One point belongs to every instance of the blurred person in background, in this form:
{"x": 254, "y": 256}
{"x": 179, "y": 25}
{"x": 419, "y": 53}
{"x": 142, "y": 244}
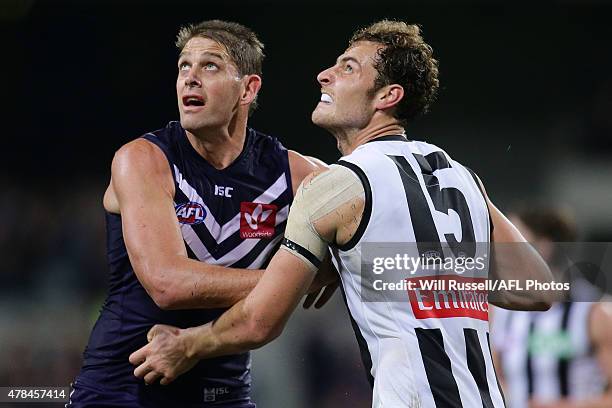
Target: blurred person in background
{"x": 193, "y": 210}
{"x": 561, "y": 358}
{"x": 386, "y": 188}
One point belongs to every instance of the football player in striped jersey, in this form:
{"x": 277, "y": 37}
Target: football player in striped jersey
{"x": 385, "y": 189}
{"x": 561, "y": 358}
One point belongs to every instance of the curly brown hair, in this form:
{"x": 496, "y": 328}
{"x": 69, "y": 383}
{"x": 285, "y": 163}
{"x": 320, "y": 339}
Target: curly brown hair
{"x": 405, "y": 60}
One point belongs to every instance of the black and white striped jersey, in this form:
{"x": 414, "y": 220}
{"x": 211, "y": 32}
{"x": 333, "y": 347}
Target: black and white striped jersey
{"x": 420, "y": 351}
{"x": 547, "y": 356}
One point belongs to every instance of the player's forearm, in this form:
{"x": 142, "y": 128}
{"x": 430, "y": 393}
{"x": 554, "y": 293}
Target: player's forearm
{"x": 519, "y": 301}
{"x": 236, "y": 331}
{"x": 188, "y": 284}
{"x": 261, "y": 316}
{"x": 516, "y": 264}
{"x": 515, "y": 260}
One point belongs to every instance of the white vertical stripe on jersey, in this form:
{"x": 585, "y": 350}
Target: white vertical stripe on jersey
{"x": 454, "y": 345}
{"x": 395, "y": 390}
{"x": 420, "y": 376}
{"x": 545, "y": 382}
{"x": 512, "y": 340}
{"x": 585, "y": 375}
{"x": 515, "y": 360}
{"x": 496, "y": 396}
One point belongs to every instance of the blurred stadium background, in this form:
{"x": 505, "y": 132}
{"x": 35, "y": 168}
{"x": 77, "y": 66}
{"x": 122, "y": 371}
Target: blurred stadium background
{"x": 526, "y": 101}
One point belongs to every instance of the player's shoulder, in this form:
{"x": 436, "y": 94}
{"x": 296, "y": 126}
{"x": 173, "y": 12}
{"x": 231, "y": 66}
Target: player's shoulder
{"x": 263, "y": 142}
{"x": 333, "y": 178}
{"x": 265, "y": 150}
{"x": 303, "y": 165}
{"x": 151, "y": 145}
{"x": 139, "y": 155}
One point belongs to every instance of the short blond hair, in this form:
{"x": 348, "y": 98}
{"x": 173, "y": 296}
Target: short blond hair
{"x": 241, "y": 43}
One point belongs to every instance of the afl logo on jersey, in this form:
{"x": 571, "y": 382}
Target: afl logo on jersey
{"x": 190, "y": 213}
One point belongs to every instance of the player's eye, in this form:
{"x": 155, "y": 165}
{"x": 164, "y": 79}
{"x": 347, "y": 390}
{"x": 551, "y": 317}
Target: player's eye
{"x": 183, "y": 66}
{"x": 210, "y": 66}
{"x": 348, "y": 68}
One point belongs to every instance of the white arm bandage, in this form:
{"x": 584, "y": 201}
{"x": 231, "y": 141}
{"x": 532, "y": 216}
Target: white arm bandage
{"x": 314, "y": 200}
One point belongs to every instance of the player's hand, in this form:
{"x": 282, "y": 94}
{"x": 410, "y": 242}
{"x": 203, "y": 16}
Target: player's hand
{"x": 165, "y": 357}
{"x": 326, "y": 294}
{"x": 325, "y": 283}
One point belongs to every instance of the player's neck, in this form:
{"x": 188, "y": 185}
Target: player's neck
{"x": 220, "y": 147}
{"x": 350, "y": 140}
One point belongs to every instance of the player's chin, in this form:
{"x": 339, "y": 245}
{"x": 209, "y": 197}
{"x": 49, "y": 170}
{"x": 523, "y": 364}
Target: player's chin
{"x": 191, "y": 123}
{"x": 320, "y": 118}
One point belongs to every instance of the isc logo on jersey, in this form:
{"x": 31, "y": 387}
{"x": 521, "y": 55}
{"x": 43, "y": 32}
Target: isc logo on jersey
{"x": 257, "y": 220}
{"x": 190, "y": 213}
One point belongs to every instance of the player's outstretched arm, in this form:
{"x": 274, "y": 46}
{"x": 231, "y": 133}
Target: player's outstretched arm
{"x": 260, "y": 317}
{"x": 249, "y": 324}
{"x": 142, "y": 191}
{"x": 515, "y": 259}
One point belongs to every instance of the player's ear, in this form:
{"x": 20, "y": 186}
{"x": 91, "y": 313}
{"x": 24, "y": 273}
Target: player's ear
{"x": 252, "y": 84}
{"x": 389, "y": 96}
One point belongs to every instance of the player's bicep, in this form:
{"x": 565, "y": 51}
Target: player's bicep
{"x": 319, "y": 211}
{"x": 301, "y": 238}
{"x": 141, "y": 183}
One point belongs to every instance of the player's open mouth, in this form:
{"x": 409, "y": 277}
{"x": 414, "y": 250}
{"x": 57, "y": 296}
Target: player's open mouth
{"x": 325, "y": 98}
{"x": 193, "y": 100}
